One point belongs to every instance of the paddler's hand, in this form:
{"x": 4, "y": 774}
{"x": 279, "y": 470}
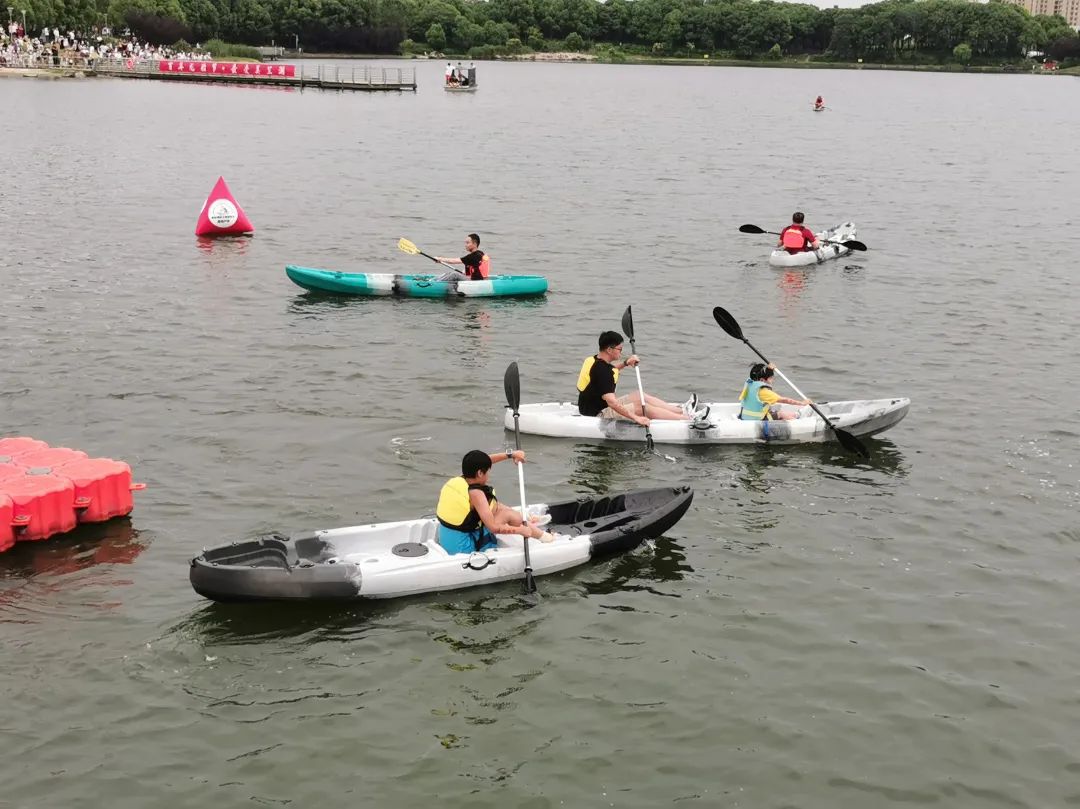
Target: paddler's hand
{"x": 518, "y": 456}
{"x": 643, "y": 421}
{"x": 632, "y": 360}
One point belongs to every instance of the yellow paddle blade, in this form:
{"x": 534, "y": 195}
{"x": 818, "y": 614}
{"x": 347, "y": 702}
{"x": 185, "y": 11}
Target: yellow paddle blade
{"x": 405, "y": 246}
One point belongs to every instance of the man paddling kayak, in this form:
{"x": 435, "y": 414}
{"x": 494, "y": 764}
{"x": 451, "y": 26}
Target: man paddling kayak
{"x": 469, "y": 514}
{"x": 819, "y": 104}
{"x": 596, "y": 391}
{"x": 477, "y": 264}
{"x": 760, "y": 401}
{"x": 796, "y": 237}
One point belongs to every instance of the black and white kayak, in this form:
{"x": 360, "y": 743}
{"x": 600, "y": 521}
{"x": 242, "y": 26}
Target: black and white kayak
{"x": 831, "y": 247}
{"x": 862, "y": 417}
{"x": 392, "y": 559}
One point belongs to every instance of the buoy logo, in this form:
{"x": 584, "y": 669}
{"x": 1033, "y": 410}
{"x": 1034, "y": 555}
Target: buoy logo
{"x": 222, "y": 213}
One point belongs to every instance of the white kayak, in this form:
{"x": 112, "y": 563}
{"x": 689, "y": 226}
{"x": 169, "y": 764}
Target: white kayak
{"x": 782, "y": 258}
{"x": 393, "y": 559}
{"x": 860, "y": 417}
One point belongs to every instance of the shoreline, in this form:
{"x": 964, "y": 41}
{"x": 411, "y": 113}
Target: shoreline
{"x": 800, "y": 64}
{"x": 83, "y": 72}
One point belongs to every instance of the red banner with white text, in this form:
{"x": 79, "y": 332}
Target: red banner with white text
{"x": 227, "y": 68}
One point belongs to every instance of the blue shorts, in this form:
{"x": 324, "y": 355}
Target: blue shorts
{"x": 453, "y": 541}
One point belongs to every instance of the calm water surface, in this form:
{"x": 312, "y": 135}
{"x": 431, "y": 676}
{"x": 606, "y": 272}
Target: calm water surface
{"x": 818, "y": 631}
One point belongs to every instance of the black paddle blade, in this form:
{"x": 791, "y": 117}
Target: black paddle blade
{"x": 726, "y": 322}
{"x": 530, "y": 582}
{"x": 628, "y": 324}
{"x": 512, "y": 386}
{"x": 751, "y": 229}
{"x": 854, "y": 244}
{"x": 851, "y": 443}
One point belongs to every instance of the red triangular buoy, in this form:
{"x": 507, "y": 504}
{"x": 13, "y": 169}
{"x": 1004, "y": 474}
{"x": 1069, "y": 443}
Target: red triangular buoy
{"x": 221, "y": 214}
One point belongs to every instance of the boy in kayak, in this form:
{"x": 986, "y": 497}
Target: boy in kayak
{"x": 760, "y": 401}
{"x": 819, "y": 104}
{"x": 596, "y": 391}
{"x": 796, "y": 237}
{"x": 469, "y": 514}
{"x": 477, "y": 264}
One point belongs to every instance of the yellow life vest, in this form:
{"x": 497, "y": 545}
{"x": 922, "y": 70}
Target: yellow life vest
{"x": 455, "y": 510}
{"x": 583, "y": 375}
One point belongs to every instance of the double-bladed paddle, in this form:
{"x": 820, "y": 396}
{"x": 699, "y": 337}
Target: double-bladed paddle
{"x": 512, "y": 386}
{"x": 850, "y": 244}
{"x": 628, "y": 327}
{"x": 405, "y": 246}
{"x": 731, "y": 326}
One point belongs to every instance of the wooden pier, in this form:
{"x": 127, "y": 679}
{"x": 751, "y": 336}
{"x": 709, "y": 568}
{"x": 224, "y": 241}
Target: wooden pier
{"x": 323, "y": 77}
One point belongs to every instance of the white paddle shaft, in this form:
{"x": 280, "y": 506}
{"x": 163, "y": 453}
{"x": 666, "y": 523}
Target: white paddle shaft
{"x": 641, "y": 391}
{"x": 791, "y": 384}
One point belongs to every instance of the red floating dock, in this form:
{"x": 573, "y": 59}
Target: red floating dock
{"x": 7, "y": 515}
{"x": 103, "y": 488}
{"x": 13, "y": 446}
{"x": 49, "y": 490}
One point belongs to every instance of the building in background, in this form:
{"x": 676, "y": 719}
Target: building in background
{"x": 1069, "y": 9}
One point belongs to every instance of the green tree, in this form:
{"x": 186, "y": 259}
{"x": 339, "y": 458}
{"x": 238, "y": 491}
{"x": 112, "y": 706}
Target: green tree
{"x": 574, "y": 42}
{"x": 1032, "y": 36}
{"x": 962, "y": 53}
{"x": 435, "y": 36}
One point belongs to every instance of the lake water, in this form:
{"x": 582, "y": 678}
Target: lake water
{"x": 818, "y": 631}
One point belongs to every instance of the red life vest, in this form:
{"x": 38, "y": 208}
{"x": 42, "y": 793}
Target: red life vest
{"x": 483, "y": 271}
{"x": 793, "y": 238}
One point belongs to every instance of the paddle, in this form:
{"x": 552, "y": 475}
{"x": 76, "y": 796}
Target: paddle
{"x": 731, "y": 326}
{"x": 512, "y": 386}
{"x": 850, "y": 244}
{"x": 405, "y": 246}
{"x": 628, "y": 327}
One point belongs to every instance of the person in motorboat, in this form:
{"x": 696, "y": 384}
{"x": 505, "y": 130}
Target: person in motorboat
{"x": 477, "y": 264}
{"x": 796, "y": 237}
{"x": 760, "y": 401}
{"x": 819, "y": 103}
{"x": 596, "y": 391}
{"x": 468, "y": 512}
{"x": 449, "y": 73}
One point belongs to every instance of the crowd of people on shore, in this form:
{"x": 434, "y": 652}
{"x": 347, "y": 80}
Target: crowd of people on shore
{"x": 55, "y": 48}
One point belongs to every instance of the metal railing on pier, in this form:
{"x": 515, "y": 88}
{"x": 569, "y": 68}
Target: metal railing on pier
{"x": 328, "y": 77}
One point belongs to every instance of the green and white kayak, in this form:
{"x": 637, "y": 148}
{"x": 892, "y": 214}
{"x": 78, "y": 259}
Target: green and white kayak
{"x": 413, "y": 286}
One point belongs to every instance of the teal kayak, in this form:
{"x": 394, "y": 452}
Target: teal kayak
{"x": 415, "y": 286}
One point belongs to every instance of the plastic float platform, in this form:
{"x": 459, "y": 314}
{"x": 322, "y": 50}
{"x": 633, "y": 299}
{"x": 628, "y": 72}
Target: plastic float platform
{"x": 46, "y": 490}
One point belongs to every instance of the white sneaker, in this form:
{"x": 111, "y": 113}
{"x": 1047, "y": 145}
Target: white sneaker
{"x": 690, "y": 406}
{"x": 701, "y": 420}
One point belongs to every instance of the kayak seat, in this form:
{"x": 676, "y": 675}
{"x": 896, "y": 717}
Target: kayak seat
{"x": 586, "y": 509}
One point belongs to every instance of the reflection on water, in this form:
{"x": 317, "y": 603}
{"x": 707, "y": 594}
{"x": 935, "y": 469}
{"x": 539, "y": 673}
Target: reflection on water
{"x": 792, "y": 284}
{"x": 255, "y": 622}
{"x": 35, "y": 573}
{"x": 594, "y": 468}
{"x": 110, "y": 543}
{"x": 661, "y": 560}
{"x": 219, "y": 249}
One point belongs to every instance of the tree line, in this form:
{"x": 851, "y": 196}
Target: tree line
{"x": 895, "y": 30}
